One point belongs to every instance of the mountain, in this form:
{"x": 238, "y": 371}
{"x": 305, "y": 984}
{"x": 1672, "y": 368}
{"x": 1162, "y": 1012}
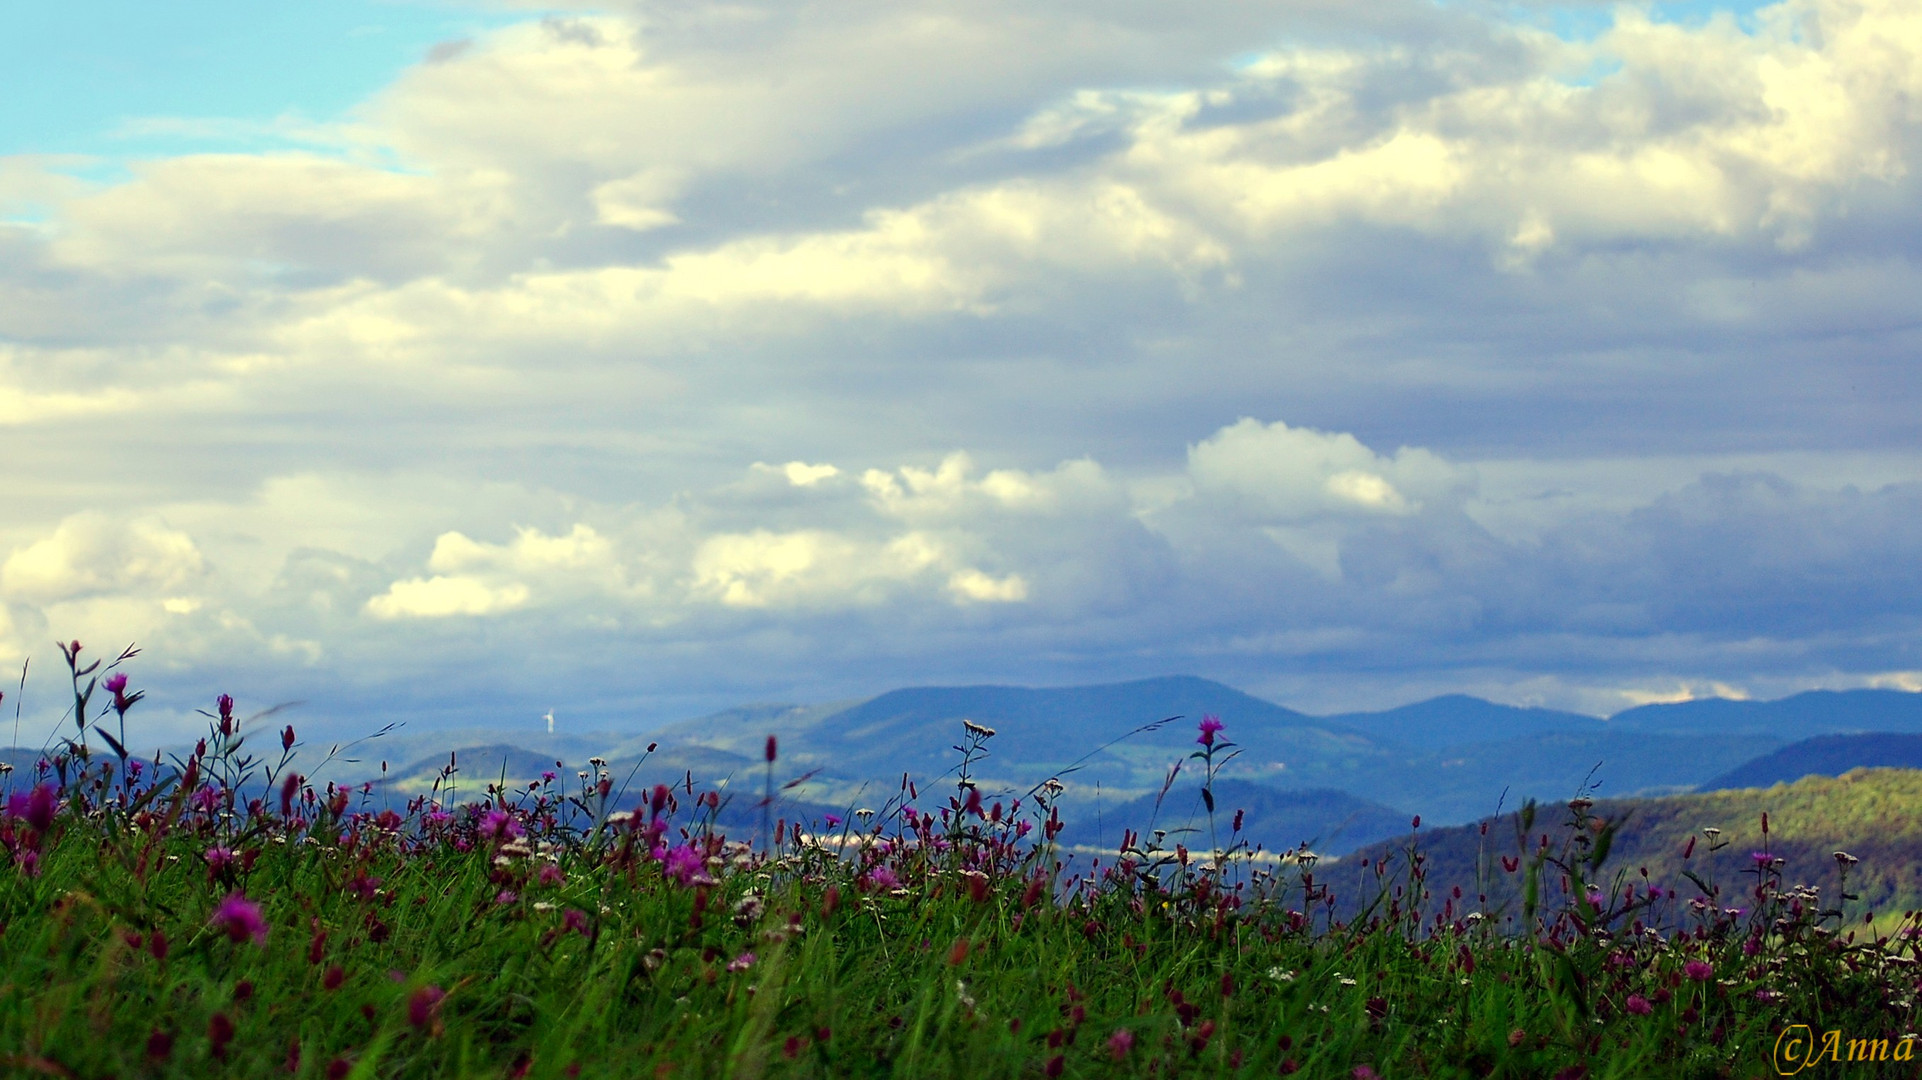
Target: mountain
{"x": 1042, "y": 732}
{"x": 1868, "y": 813}
{"x": 1817, "y": 712}
{"x": 1454, "y": 719}
{"x": 1328, "y": 821}
{"x": 1465, "y": 782}
{"x": 1824, "y": 755}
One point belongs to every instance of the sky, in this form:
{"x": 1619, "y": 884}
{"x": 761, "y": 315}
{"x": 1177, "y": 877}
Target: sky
{"x": 454, "y": 362}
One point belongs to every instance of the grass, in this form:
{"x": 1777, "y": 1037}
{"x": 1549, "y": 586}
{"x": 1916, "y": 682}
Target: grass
{"x": 217, "y": 915}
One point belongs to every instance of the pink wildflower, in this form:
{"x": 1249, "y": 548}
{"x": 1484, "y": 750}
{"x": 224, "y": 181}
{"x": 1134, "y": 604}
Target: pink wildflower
{"x": 576, "y": 920}
{"x": 683, "y": 864}
{"x": 741, "y": 962}
{"x": 1120, "y": 1043}
{"x": 500, "y": 826}
{"x": 1698, "y": 970}
{"x": 1638, "y": 1005}
{"x": 34, "y": 807}
{"x": 424, "y": 1005}
{"x": 1210, "y": 724}
{"x": 883, "y": 878}
{"x": 241, "y": 919}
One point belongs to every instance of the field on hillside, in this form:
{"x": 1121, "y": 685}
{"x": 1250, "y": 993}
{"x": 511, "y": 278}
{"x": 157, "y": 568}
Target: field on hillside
{"x": 1867, "y": 815}
{"x": 160, "y": 921}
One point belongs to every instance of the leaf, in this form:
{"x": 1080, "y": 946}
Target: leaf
{"x": 1208, "y": 798}
{"x": 112, "y": 742}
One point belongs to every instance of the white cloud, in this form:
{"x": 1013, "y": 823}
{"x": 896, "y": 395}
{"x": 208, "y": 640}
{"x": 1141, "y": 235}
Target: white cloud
{"x": 444, "y": 595}
{"x": 1275, "y": 473}
{"x": 91, "y": 553}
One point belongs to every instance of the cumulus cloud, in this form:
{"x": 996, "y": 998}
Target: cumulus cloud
{"x": 1275, "y": 473}
{"x": 91, "y": 553}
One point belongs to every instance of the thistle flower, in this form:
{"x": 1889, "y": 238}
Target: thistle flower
{"x": 500, "y": 826}
{"x": 1120, "y": 1043}
{"x": 1210, "y": 724}
{"x": 34, "y": 807}
{"x": 1698, "y": 970}
{"x": 1638, "y": 1005}
{"x": 241, "y": 919}
{"x": 741, "y": 962}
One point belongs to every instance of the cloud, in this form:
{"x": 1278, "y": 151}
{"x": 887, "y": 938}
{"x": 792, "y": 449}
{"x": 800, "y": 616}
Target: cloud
{"x": 91, "y": 553}
{"x": 755, "y": 348}
{"x": 1275, "y": 473}
{"x": 444, "y": 595}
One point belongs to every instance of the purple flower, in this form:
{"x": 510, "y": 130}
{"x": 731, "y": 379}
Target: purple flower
{"x": 1698, "y": 970}
{"x": 1762, "y": 858}
{"x": 506, "y": 896}
{"x": 741, "y": 962}
{"x": 218, "y": 858}
{"x": 883, "y": 878}
{"x": 1210, "y": 724}
{"x": 683, "y": 864}
{"x": 833, "y": 820}
{"x": 576, "y": 920}
{"x": 1120, "y": 1043}
{"x": 116, "y": 683}
{"x": 1638, "y": 1005}
{"x": 240, "y": 918}
{"x": 499, "y": 826}
{"x": 424, "y": 1004}
{"x": 34, "y": 807}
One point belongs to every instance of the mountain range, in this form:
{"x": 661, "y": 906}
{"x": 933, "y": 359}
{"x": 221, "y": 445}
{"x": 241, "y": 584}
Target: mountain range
{"x": 1339, "y": 780}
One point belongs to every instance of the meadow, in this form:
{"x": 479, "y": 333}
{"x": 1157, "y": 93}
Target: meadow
{"x": 216, "y": 914}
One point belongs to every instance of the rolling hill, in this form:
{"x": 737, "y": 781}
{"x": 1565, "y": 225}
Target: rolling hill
{"x": 1824, "y": 755}
{"x": 1869, "y": 813}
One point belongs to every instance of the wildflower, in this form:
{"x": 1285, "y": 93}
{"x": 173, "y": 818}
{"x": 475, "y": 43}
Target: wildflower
{"x": 1209, "y": 725}
{"x": 1120, "y": 1043}
{"x": 1638, "y": 1005}
{"x": 116, "y": 685}
{"x": 576, "y": 920}
{"x": 741, "y": 962}
{"x": 683, "y": 864}
{"x": 833, "y": 821}
{"x": 1698, "y": 970}
{"x": 500, "y": 826}
{"x": 1843, "y": 858}
{"x": 981, "y": 731}
{"x": 1761, "y": 858}
{"x": 34, "y": 807}
{"x": 219, "y": 859}
{"x": 1364, "y": 1072}
{"x": 552, "y": 875}
{"x": 424, "y": 1004}
{"x": 240, "y": 918}
{"x": 506, "y": 896}
{"x": 220, "y": 1032}
{"x": 160, "y": 1045}
{"x": 883, "y": 878}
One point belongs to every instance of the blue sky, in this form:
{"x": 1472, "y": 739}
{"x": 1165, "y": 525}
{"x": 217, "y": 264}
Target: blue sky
{"x": 640, "y": 359}
{"x": 91, "y": 78}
